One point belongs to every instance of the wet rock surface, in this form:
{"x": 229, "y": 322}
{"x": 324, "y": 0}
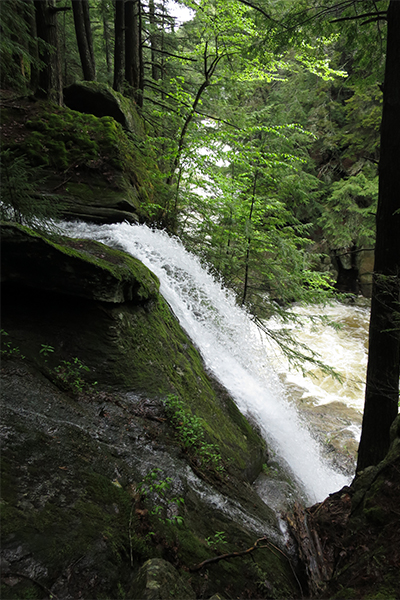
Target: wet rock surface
{"x": 95, "y": 480}
{"x": 73, "y": 518}
{"x": 158, "y": 580}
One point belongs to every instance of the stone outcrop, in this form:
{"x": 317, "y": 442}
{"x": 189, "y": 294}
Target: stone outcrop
{"x": 86, "y": 269}
{"x": 159, "y": 580}
{"x": 101, "y": 101}
{"x": 76, "y": 451}
{"x": 93, "y": 168}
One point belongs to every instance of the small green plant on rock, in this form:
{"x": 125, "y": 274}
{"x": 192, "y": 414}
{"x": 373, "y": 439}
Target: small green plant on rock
{"x": 8, "y": 350}
{"x": 191, "y": 434}
{"x": 154, "y": 484}
{"x": 46, "y": 350}
{"x": 217, "y": 540}
{"x": 70, "y": 374}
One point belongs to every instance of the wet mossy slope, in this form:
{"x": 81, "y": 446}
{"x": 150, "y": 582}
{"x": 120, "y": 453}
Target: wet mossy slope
{"x": 76, "y": 451}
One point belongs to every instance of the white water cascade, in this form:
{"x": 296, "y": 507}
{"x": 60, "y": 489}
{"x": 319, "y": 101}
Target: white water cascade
{"x": 232, "y": 347}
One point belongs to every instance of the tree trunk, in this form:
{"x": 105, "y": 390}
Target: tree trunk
{"x": 247, "y": 260}
{"x": 88, "y": 30}
{"x": 107, "y": 48}
{"x": 50, "y": 80}
{"x": 382, "y": 391}
{"x": 85, "y": 51}
{"x": 119, "y": 45}
{"x": 33, "y": 47}
{"x": 133, "y": 49}
{"x": 154, "y": 42}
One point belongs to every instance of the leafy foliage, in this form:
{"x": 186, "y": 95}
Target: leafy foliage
{"x": 17, "y": 45}
{"x": 191, "y": 434}
{"x": 157, "y": 488}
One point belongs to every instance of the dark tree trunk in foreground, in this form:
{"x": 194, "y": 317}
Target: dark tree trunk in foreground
{"x": 50, "y": 81}
{"x": 119, "y": 45}
{"x": 84, "y": 38}
{"x": 382, "y": 391}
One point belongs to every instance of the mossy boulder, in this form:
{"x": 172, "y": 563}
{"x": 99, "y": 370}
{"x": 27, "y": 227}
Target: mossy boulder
{"x": 101, "y": 101}
{"x": 90, "y": 167}
{"x": 82, "y": 268}
{"x": 159, "y": 580}
{"x": 103, "y": 306}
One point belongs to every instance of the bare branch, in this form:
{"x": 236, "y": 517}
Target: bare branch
{"x": 381, "y": 15}
{"x": 170, "y": 54}
{"x": 262, "y": 11}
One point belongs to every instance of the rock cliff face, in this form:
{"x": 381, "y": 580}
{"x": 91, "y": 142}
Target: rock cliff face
{"x": 96, "y": 168}
{"x": 96, "y": 475}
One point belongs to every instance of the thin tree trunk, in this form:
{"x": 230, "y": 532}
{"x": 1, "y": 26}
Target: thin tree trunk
{"x": 85, "y": 52}
{"x": 33, "y": 48}
{"x": 246, "y": 272}
{"x": 382, "y": 391}
{"x": 155, "y": 69}
{"x": 133, "y": 49}
{"x": 50, "y": 80}
{"x": 119, "y": 63}
{"x": 88, "y": 30}
{"x": 107, "y": 47}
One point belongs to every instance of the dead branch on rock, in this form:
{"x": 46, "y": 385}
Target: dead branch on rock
{"x": 256, "y": 546}
{"x": 230, "y": 555}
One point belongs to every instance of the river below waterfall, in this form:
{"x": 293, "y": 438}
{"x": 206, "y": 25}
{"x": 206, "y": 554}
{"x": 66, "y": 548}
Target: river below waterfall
{"x": 238, "y": 355}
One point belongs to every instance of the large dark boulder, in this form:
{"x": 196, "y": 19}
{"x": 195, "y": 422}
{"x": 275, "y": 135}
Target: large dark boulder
{"x": 82, "y": 268}
{"x": 101, "y": 101}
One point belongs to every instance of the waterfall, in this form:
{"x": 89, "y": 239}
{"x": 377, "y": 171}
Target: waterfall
{"x": 232, "y": 347}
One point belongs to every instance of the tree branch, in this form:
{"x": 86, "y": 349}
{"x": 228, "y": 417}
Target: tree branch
{"x": 170, "y": 53}
{"x": 262, "y": 11}
{"x": 377, "y": 16}
{"x": 231, "y": 555}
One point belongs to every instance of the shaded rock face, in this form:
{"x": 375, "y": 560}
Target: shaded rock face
{"x": 77, "y": 268}
{"x": 365, "y": 263}
{"x": 101, "y": 101}
{"x": 76, "y": 520}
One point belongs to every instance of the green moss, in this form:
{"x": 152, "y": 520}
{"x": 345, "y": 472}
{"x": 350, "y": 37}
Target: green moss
{"x": 375, "y": 515}
{"x": 58, "y": 535}
{"x": 118, "y": 265}
{"x": 382, "y": 593}
{"x": 154, "y": 355}
{"x": 345, "y": 594}
{"x": 24, "y": 590}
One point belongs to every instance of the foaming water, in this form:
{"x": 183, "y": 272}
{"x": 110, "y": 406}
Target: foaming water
{"x": 231, "y": 345}
{"x": 345, "y": 349}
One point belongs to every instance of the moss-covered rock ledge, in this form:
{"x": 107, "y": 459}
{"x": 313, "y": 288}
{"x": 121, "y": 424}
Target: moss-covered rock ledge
{"x": 76, "y": 520}
{"x": 86, "y": 269}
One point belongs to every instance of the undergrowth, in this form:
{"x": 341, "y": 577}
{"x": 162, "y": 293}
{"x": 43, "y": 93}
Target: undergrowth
{"x": 191, "y": 434}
